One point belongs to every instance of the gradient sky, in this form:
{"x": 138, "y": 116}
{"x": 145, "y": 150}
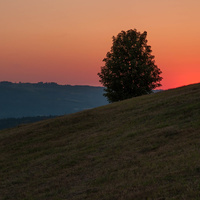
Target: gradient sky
{"x": 65, "y": 41}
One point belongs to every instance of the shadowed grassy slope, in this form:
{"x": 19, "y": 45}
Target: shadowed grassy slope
{"x": 142, "y": 148}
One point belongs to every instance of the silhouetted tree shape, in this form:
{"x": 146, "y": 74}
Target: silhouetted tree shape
{"x": 130, "y": 68}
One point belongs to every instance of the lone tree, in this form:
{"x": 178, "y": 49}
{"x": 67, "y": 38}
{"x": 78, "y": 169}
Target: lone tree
{"x": 130, "y": 68}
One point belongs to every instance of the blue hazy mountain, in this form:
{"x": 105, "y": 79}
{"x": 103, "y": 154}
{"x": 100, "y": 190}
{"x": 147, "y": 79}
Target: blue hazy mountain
{"x": 44, "y": 99}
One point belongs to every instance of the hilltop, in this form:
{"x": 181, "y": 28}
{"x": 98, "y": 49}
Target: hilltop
{"x": 146, "y": 147}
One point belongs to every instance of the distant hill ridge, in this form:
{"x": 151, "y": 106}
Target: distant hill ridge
{"x": 44, "y": 99}
{"x": 144, "y": 148}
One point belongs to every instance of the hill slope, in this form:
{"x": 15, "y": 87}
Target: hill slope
{"x": 142, "y": 148}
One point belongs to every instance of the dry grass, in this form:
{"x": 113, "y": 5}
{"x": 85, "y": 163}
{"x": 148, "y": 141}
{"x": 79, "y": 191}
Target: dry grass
{"x": 142, "y": 148}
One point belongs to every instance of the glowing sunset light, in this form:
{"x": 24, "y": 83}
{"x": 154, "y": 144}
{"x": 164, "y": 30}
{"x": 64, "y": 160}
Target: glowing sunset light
{"x": 65, "y": 41}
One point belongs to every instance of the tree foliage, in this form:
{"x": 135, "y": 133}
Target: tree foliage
{"x": 129, "y": 69}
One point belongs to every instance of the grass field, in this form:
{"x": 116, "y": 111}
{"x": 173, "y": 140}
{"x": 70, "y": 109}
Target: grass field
{"x": 142, "y": 148}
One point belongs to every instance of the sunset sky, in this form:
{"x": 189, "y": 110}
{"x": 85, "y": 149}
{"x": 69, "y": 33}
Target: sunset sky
{"x": 65, "y": 41}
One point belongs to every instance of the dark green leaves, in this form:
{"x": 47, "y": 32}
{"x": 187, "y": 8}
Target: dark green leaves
{"x": 129, "y": 69}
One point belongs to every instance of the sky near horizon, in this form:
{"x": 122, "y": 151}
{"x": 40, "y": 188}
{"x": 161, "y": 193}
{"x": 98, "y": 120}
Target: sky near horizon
{"x": 65, "y": 41}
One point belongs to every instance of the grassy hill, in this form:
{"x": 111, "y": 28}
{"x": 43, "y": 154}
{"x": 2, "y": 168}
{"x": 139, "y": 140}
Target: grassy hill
{"x": 142, "y": 148}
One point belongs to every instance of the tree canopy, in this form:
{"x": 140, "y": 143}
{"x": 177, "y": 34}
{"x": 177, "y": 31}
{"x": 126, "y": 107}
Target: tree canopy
{"x": 129, "y": 69}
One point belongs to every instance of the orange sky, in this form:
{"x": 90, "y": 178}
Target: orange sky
{"x": 64, "y": 41}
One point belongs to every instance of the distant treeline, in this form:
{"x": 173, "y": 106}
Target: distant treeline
{"x": 13, "y": 122}
{"x": 43, "y": 99}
